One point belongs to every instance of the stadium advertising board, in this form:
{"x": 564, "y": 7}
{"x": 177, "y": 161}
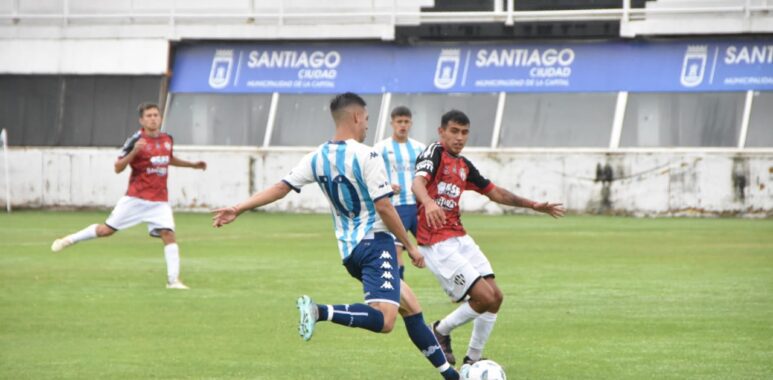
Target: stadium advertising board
{"x": 635, "y": 66}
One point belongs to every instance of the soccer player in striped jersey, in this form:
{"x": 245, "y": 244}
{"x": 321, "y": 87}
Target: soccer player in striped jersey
{"x": 353, "y": 178}
{"x": 399, "y": 153}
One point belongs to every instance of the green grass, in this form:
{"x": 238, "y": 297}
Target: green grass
{"x": 585, "y": 298}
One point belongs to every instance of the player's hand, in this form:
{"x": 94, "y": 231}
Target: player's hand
{"x": 436, "y": 217}
{"x": 416, "y": 257}
{"x": 139, "y": 145}
{"x": 200, "y": 165}
{"x": 396, "y": 188}
{"x": 555, "y": 210}
{"x": 224, "y": 216}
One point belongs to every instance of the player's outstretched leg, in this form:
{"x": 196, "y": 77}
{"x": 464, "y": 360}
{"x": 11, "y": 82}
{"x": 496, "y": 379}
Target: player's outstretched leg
{"x": 91, "y": 232}
{"x": 355, "y": 315}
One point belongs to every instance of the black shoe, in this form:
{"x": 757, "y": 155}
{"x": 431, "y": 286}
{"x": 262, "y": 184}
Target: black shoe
{"x": 469, "y": 361}
{"x": 445, "y": 344}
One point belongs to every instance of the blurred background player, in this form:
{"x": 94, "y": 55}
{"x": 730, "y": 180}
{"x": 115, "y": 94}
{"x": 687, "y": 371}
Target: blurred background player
{"x": 442, "y": 175}
{"x": 149, "y": 152}
{"x": 399, "y": 153}
{"x": 354, "y": 180}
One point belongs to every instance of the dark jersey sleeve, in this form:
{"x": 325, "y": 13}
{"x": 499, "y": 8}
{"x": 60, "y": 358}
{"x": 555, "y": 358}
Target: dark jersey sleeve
{"x": 129, "y": 144}
{"x": 428, "y": 162}
{"x": 475, "y": 181}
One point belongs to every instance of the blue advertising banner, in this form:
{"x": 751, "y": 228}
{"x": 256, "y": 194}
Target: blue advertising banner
{"x": 634, "y": 66}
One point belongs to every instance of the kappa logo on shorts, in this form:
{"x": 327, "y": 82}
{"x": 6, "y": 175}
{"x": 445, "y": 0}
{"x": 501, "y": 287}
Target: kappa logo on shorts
{"x": 385, "y": 255}
{"x": 387, "y": 275}
{"x": 459, "y": 279}
{"x": 387, "y": 285}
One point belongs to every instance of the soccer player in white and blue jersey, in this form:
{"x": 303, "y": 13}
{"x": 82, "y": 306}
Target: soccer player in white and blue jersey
{"x": 399, "y": 153}
{"x": 353, "y": 178}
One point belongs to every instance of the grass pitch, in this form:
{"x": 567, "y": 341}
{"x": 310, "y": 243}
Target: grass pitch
{"x": 585, "y": 298}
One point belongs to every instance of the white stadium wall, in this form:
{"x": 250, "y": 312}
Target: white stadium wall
{"x": 643, "y": 183}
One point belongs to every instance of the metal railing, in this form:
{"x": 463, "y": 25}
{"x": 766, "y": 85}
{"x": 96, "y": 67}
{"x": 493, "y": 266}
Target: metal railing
{"x": 281, "y": 15}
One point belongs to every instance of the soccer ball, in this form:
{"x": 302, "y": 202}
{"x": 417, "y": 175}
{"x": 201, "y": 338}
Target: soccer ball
{"x": 483, "y": 370}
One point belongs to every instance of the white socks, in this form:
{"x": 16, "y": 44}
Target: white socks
{"x": 463, "y": 314}
{"x": 172, "y": 255}
{"x": 481, "y": 329}
{"x": 87, "y": 233}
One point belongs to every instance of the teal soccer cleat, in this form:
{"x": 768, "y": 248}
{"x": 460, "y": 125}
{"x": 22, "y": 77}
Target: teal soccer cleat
{"x": 309, "y": 315}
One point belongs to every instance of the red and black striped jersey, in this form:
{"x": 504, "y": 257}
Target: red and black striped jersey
{"x": 447, "y": 177}
{"x": 150, "y": 166}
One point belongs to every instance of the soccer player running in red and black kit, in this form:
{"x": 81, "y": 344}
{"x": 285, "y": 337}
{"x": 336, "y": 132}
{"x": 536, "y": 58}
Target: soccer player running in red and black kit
{"x": 149, "y": 153}
{"x": 442, "y": 174}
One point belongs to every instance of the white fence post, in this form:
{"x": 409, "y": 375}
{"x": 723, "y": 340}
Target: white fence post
{"x": 4, "y": 140}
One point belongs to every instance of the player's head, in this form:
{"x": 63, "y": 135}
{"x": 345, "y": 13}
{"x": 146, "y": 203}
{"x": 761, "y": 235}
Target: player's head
{"x": 150, "y": 116}
{"x": 401, "y": 123}
{"x": 454, "y": 130}
{"x": 348, "y": 111}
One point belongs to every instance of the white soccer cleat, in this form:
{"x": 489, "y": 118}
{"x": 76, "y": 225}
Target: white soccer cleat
{"x": 177, "y": 285}
{"x": 308, "y": 317}
{"x": 60, "y": 244}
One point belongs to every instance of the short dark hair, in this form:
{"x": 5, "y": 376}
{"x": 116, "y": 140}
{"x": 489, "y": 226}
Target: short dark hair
{"x": 456, "y": 116}
{"x": 341, "y": 101}
{"x": 146, "y": 106}
{"x": 401, "y": 111}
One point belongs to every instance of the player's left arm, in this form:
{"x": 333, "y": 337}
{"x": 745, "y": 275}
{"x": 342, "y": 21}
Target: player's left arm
{"x": 174, "y": 161}
{"x": 481, "y": 184}
{"x": 505, "y": 197}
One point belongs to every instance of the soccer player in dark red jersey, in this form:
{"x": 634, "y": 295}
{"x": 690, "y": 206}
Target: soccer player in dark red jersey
{"x": 149, "y": 153}
{"x": 464, "y": 272}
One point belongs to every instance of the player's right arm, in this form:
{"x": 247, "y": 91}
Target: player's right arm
{"x": 299, "y": 176}
{"x": 272, "y": 194}
{"x": 426, "y": 167}
{"x": 130, "y": 149}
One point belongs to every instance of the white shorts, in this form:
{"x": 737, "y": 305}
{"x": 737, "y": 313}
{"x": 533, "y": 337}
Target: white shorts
{"x": 130, "y": 211}
{"x": 457, "y": 263}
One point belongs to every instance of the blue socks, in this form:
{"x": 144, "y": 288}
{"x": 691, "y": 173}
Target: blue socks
{"x": 425, "y": 341}
{"x": 354, "y": 315}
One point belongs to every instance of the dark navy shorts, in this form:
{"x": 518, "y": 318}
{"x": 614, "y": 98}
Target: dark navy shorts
{"x": 374, "y": 263}
{"x": 409, "y": 216}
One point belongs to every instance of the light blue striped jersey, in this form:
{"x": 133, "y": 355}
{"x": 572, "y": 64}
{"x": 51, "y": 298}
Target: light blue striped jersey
{"x": 400, "y": 161}
{"x": 352, "y": 177}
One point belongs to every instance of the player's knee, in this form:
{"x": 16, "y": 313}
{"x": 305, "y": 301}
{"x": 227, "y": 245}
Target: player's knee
{"x": 389, "y": 325}
{"x": 489, "y": 300}
{"x": 104, "y": 231}
{"x": 498, "y": 297}
{"x": 167, "y": 236}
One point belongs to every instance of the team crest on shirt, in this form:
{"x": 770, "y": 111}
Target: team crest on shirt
{"x": 462, "y": 174}
{"x": 167, "y": 145}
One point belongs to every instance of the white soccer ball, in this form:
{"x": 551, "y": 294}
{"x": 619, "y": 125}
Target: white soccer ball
{"x": 484, "y": 370}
